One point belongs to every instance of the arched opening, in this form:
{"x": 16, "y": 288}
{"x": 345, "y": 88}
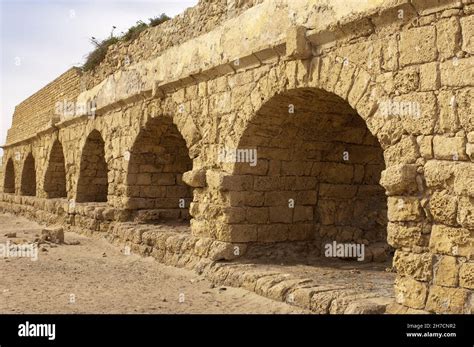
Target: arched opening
{"x": 28, "y": 177}
{"x": 158, "y": 159}
{"x": 55, "y": 176}
{"x": 92, "y": 185}
{"x": 317, "y": 174}
{"x": 9, "y": 180}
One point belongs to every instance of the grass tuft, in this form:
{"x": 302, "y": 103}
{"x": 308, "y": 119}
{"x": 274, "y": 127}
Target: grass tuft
{"x": 153, "y": 22}
{"x": 133, "y": 32}
{"x": 95, "y": 57}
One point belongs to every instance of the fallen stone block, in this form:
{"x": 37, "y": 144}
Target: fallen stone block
{"x": 53, "y": 234}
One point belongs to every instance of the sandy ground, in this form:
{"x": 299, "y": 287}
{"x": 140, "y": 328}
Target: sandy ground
{"x": 96, "y": 277}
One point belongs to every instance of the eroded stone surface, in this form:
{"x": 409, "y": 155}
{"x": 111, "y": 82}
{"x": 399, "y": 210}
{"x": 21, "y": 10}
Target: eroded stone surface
{"x": 321, "y": 109}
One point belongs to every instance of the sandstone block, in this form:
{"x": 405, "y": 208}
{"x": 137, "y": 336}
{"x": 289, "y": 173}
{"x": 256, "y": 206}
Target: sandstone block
{"x": 340, "y": 191}
{"x": 297, "y": 45}
{"x": 258, "y": 215}
{"x": 334, "y": 172}
{"x": 448, "y": 115}
{"x": 410, "y": 292}
{"x": 439, "y": 173}
{"x": 449, "y": 148}
{"x": 252, "y": 199}
{"x": 303, "y": 214}
{"x": 53, "y": 234}
{"x": 418, "y": 45}
{"x": 470, "y": 151}
{"x": 301, "y": 231}
{"x": 236, "y": 183}
{"x": 443, "y": 207}
{"x": 401, "y": 209}
{"x": 226, "y": 251}
{"x": 279, "y": 198}
{"x": 263, "y": 183}
{"x": 195, "y": 178}
{"x": 467, "y": 28}
{"x": 465, "y": 106}
{"x": 236, "y": 233}
{"x": 451, "y": 241}
{"x": 417, "y": 266}
{"x": 429, "y": 77}
{"x": 428, "y": 7}
{"x": 464, "y": 179}
{"x": 453, "y": 72}
{"x": 399, "y": 235}
{"x": 466, "y": 275}
{"x": 425, "y": 144}
{"x": 448, "y": 300}
{"x": 214, "y": 178}
{"x": 399, "y": 179}
{"x": 446, "y": 272}
{"x": 448, "y": 37}
{"x": 465, "y": 215}
{"x": 406, "y": 80}
{"x": 272, "y": 233}
{"x": 418, "y": 112}
{"x": 281, "y": 214}
{"x": 234, "y": 215}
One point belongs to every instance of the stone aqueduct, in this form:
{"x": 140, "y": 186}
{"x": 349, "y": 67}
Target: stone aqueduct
{"x": 361, "y": 115}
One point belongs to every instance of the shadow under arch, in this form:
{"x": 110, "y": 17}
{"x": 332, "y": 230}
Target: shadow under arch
{"x": 92, "y": 184}
{"x": 28, "y": 177}
{"x": 9, "y": 177}
{"x": 158, "y": 159}
{"x": 316, "y": 178}
{"x": 55, "y": 175}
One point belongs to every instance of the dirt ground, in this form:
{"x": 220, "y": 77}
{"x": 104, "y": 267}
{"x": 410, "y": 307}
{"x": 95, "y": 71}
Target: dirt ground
{"x": 94, "y": 276}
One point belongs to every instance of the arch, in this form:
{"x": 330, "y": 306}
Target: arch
{"x": 9, "y": 178}
{"x": 28, "y": 176}
{"x": 55, "y": 176}
{"x": 316, "y": 177}
{"x": 158, "y": 159}
{"x": 92, "y": 184}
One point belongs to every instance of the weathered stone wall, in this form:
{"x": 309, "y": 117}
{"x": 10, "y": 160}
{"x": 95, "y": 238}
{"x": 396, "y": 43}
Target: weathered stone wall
{"x": 332, "y": 108}
{"x": 55, "y": 176}
{"x": 92, "y": 185}
{"x": 158, "y": 159}
{"x": 38, "y": 111}
{"x": 316, "y": 175}
{"x": 2, "y": 169}
{"x": 195, "y": 21}
{"x": 28, "y": 176}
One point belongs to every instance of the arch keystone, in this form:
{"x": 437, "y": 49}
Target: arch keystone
{"x": 297, "y": 46}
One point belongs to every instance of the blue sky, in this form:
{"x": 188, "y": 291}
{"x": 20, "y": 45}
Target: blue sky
{"x": 41, "y": 39}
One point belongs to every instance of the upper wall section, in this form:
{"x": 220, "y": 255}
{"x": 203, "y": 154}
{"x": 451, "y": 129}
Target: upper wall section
{"x": 35, "y": 113}
{"x": 193, "y": 22}
{"x": 203, "y": 42}
{"x": 258, "y": 34}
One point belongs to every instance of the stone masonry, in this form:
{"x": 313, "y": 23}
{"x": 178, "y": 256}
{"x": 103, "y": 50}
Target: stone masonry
{"x": 269, "y": 122}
